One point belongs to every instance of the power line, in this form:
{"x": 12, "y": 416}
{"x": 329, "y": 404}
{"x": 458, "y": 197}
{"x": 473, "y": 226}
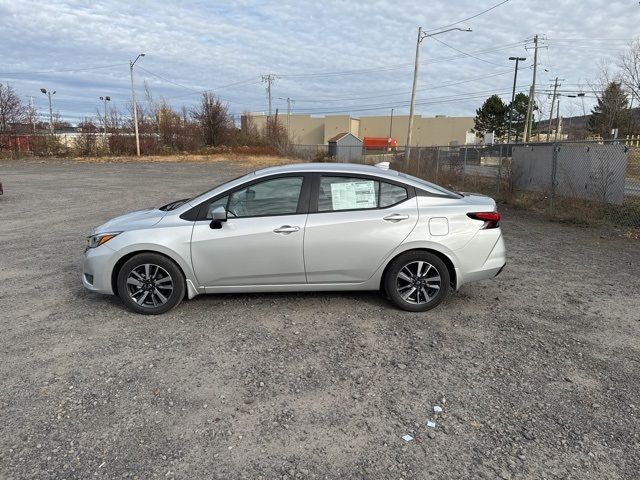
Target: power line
{"x": 468, "y": 18}
{"x": 170, "y": 81}
{"x": 65, "y": 70}
{"x": 403, "y": 92}
{"x": 380, "y": 106}
{"x": 467, "y": 54}
{"x": 390, "y": 68}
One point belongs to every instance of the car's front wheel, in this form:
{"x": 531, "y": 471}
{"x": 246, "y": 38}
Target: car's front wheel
{"x": 417, "y": 281}
{"x": 150, "y": 283}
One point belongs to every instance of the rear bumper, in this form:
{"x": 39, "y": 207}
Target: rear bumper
{"x": 490, "y": 268}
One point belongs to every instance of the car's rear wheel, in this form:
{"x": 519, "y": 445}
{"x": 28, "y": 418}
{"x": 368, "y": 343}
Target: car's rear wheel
{"x": 417, "y": 281}
{"x": 150, "y": 283}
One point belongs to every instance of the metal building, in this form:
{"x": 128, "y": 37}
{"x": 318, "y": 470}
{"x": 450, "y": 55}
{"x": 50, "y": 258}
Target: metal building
{"x": 345, "y": 147}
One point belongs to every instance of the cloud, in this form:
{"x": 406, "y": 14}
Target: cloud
{"x": 204, "y": 45}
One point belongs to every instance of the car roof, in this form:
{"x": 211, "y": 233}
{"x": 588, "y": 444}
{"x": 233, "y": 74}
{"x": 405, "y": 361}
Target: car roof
{"x": 355, "y": 168}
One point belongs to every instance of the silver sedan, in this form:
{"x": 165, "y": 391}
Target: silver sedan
{"x": 306, "y": 227}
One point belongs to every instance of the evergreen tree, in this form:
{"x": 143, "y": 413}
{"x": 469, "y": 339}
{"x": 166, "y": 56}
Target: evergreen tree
{"x": 492, "y": 117}
{"x": 611, "y": 111}
{"x": 519, "y": 116}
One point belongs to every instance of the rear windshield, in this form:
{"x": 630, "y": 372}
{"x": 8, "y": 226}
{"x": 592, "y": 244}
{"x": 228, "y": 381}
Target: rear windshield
{"x": 431, "y": 186}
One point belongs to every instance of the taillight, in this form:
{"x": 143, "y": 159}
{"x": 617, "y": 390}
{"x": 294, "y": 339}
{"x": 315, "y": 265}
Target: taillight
{"x": 490, "y": 219}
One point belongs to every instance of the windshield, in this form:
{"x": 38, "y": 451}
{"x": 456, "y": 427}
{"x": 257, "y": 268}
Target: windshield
{"x": 431, "y": 186}
{"x": 178, "y": 203}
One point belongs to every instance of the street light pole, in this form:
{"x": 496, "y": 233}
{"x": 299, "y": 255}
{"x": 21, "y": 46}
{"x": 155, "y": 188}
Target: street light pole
{"x": 513, "y": 97}
{"x": 105, "y": 99}
{"x": 49, "y": 94}
{"x": 581, "y": 95}
{"x": 135, "y": 108}
{"x": 421, "y": 36}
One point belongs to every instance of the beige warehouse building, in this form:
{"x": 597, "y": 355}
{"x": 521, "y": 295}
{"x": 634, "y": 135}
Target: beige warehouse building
{"x": 316, "y": 130}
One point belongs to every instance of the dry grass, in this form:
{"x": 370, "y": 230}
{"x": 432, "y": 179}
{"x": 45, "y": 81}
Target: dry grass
{"x": 252, "y": 161}
{"x": 633, "y": 164}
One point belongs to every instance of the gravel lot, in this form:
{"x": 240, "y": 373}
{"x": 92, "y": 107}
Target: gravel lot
{"x": 537, "y": 372}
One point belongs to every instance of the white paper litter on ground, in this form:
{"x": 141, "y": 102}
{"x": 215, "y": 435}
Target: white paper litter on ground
{"x": 437, "y": 409}
{"x": 407, "y": 438}
{"x": 431, "y": 424}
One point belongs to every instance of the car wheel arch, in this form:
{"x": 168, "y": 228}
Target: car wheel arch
{"x": 122, "y": 260}
{"x": 444, "y": 257}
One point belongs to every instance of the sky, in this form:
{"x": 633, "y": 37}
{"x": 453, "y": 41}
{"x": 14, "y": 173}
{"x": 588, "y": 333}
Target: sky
{"x": 329, "y": 57}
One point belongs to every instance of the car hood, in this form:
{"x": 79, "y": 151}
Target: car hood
{"x": 132, "y": 221}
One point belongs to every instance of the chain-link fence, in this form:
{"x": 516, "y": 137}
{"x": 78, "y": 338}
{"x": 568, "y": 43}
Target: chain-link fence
{"x": 588, "y": 182}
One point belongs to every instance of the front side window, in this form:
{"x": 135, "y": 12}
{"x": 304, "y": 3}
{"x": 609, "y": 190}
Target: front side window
{"x": 347, "y": 193}
{"x": 278, "y": 196}
{"x": 221, "y": 202}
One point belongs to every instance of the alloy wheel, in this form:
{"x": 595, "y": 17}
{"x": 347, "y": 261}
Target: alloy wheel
{"x": 418, "y": 282}
{"x": 149, "y": 285}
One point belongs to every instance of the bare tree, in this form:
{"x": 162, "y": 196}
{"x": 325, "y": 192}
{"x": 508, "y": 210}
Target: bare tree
{"x": 629, "y": 64}
{"x": 11, "y": 108}
{"x": 87, "y": 142}
{"x": 214, "y": 120}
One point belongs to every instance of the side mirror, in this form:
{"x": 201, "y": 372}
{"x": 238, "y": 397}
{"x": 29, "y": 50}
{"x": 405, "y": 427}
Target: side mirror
{"x": 217, "y": 216}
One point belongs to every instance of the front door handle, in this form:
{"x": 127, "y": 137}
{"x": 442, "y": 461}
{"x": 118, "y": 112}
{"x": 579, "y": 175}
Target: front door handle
{"x": 395, "y": 217}
{"x": 286, "y": 229}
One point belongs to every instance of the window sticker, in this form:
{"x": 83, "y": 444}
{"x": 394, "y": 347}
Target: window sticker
{"x": 352, "y": 195}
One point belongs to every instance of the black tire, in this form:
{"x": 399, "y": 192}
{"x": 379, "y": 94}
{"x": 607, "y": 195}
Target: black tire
{"x": 417, "y": 283}
{"x": 165, "y": 281}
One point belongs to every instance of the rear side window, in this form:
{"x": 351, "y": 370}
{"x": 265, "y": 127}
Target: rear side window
{"x": 347, "y": 193}
{"x": 353, "y": 193}
{"x": 391, "y": 194}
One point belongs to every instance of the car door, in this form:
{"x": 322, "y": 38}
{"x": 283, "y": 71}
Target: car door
{"x": 355, "y": 222}
{"x": 261, "y": 242}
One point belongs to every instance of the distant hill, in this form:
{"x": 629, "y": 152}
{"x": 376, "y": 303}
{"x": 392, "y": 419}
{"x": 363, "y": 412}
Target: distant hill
{"x": 577, "y": 126}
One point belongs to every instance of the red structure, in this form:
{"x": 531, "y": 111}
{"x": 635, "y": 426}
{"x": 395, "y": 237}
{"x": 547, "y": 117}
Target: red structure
{"x": 380, "y": 143}
{"x": 17, "y": 143}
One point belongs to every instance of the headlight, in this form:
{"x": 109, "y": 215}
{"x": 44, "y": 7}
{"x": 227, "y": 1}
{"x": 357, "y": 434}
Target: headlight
{"x": 96, "y": 240}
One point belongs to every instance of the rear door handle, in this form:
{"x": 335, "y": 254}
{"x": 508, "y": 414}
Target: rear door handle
{"x": 395, "y": 217}
{"x": 286, "y": 229}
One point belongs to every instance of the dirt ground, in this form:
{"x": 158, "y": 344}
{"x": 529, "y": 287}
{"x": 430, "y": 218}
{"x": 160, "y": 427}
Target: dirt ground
{"x": 537, "y": 371}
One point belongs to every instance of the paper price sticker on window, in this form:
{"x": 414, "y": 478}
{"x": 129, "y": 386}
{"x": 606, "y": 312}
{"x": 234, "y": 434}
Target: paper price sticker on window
{"x": 353, "y": 195}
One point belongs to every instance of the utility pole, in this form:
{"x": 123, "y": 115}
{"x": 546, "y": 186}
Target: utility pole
{"x": 32, "y": 113}
{"x": 513, "y": 98}
{"x": 105, "y": 99}
{"x": 581, "y": 95}
{"x": 421, "y": 36}
{"x": 553, "y": 101}
{"x": 268, "y": 79}
{"x": 555, "y": 137}
{"x": 391, "y": 124}
{"x": 528, "y": 127}
{"x": 135, "y": 107}
{"x": 49, "y": 94}
{"x": 290, "y": 102}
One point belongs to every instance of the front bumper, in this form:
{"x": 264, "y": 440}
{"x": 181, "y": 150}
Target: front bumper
{"x": 97, "y": 265}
